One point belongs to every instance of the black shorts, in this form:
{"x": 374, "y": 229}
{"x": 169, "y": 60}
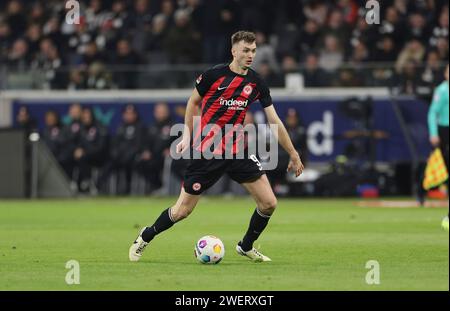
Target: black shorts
{"x": 202, "y": 174}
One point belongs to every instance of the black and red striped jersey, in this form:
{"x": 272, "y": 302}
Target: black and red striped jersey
{"x": 226, "y": 97}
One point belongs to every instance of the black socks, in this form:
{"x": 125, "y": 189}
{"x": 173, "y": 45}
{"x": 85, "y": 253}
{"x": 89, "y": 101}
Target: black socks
{"x": 258, "y": 223}
{"x": 161, "y": 224}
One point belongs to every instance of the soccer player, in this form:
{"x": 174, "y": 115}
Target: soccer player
{"x": 223, "y": 94}
{"x": 438, "y": 122}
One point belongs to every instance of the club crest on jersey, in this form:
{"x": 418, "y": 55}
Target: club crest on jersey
{"x": 197, "y": 186}
{"x": 248, "y": 89}
{"x": 199, "y": 79}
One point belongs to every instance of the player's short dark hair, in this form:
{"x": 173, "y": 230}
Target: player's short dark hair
{"x": 246, "y": 36}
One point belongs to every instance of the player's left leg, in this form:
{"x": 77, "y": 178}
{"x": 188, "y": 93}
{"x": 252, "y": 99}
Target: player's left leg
{"x": 266, "y": 202}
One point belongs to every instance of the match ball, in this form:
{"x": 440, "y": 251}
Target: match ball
{"x": 209, "y": 250}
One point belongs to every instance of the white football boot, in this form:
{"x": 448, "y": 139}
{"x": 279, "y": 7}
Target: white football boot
{"x": 137, "y": 248}
{"x": 253, "y": 254}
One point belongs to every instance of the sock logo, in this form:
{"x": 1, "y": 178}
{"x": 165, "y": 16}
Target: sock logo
{"x": 197, "y": 186}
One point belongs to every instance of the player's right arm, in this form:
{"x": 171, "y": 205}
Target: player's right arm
{"x": 192, "y": 109}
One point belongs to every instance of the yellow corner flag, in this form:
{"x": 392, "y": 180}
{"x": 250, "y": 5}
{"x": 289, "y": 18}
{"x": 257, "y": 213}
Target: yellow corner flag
{"x": 436, "y": 172}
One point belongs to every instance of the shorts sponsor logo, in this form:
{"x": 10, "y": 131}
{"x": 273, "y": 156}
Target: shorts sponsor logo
{"x": 197, "y": 186}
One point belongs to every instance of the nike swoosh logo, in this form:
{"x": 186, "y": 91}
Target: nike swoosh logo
{"x": 221, "y": 88}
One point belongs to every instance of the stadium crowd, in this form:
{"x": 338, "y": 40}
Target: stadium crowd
{"x": 129, "y": 44}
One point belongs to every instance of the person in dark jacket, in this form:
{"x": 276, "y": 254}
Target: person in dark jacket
{"x": 150, "y": 161}
{"x": 70, "y": 138}
{"x": 125, "y": 146}
{"x": 53, "y": 134}
{"x": 25, "y": 122}
{"x": 297, "y": 133}
{"x": 91, "y": 149}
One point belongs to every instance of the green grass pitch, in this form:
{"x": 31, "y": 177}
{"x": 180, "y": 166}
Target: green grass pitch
{"x": 314, "y": 245}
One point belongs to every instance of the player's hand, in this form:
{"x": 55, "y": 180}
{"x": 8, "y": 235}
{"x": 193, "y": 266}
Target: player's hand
{"x": 183, "y": 145}
{"x": 295, "y": 165}
{"x": 435, "y": 141}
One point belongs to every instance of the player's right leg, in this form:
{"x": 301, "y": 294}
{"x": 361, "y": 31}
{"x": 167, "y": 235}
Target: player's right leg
{"x": 183, "y": 208}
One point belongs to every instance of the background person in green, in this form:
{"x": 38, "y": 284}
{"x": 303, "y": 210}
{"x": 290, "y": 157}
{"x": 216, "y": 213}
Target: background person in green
{"x": 438, "y": 119}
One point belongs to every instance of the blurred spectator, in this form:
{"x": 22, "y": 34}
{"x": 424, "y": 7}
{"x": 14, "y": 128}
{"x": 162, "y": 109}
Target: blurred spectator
{"x": 16, "y": 17}
{"x": 432, "y": 73}
{"x": 347, "y": 77}
{"x": 288, "y": 41}
{"x": 414, "y": 51}
{"x": 53, "y": 134}
{"x": 140, "y": 18}
{"x": 289, "y": 64}
{"x": 349, "y": 9}
{"x": 440, "y": 31}
{"x": 265, "y": 54}
{"x": 363, "y": 32}
{"x": 313, "y": 75}
{"x": 442, "y": 48}
{"x": 52, "y": 30}
{"x": 336, "y": 27}
{"x": 18, "y": 58}
{"x": 297, "y": 133}
{"x": 168, "y": 11}
{"x": 214, "y": 39}
{"x": 409, "y": 79}
{"x": 37, "y": 13}
{"x": 91, "y": 149}
{"x": 393, "y": 26}
{"x": 155, "y": 39}
{"x": 385, "y": 50}
{"x": 125, "y": 146}
{"x": 360, "y": 55}
{"x": 125, "y": 60}
{"x": 71, "y": 138}
{"x": 317, "y": 11}
{"x": 49, "y": 62}
{"x": 92, "y": 55}
{"x": 77, "y": 80}
{"x": 356, "y": 76}
{"x": 25, "y": 122}
{"x": 98, "y": 77}
{"x": 271, "y": 78}
{"x": 151, "y": 159}
{"x": 6, "y": 40}
{"x": 33, "y": 36}
{"x": 309, "y": 37}
{"x": 417, "y": 28}
{"x": 332, "y": 55}
{"x": 181, "y": 42}
{"x": 196, "y": 31}
{"x": 193, "y": 7}
{"x": 94, "y": 15}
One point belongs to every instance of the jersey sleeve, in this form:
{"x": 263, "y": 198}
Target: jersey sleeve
{"x": 434, "y": 110}
{"x": 203, "y": 82}
{"x": 264, "y": 94}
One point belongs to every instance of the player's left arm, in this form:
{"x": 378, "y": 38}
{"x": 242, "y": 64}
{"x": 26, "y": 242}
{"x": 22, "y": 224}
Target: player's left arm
{"x": 295, "y": 163}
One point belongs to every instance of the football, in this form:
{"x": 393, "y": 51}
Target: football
{"x": 209, "y": 250}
